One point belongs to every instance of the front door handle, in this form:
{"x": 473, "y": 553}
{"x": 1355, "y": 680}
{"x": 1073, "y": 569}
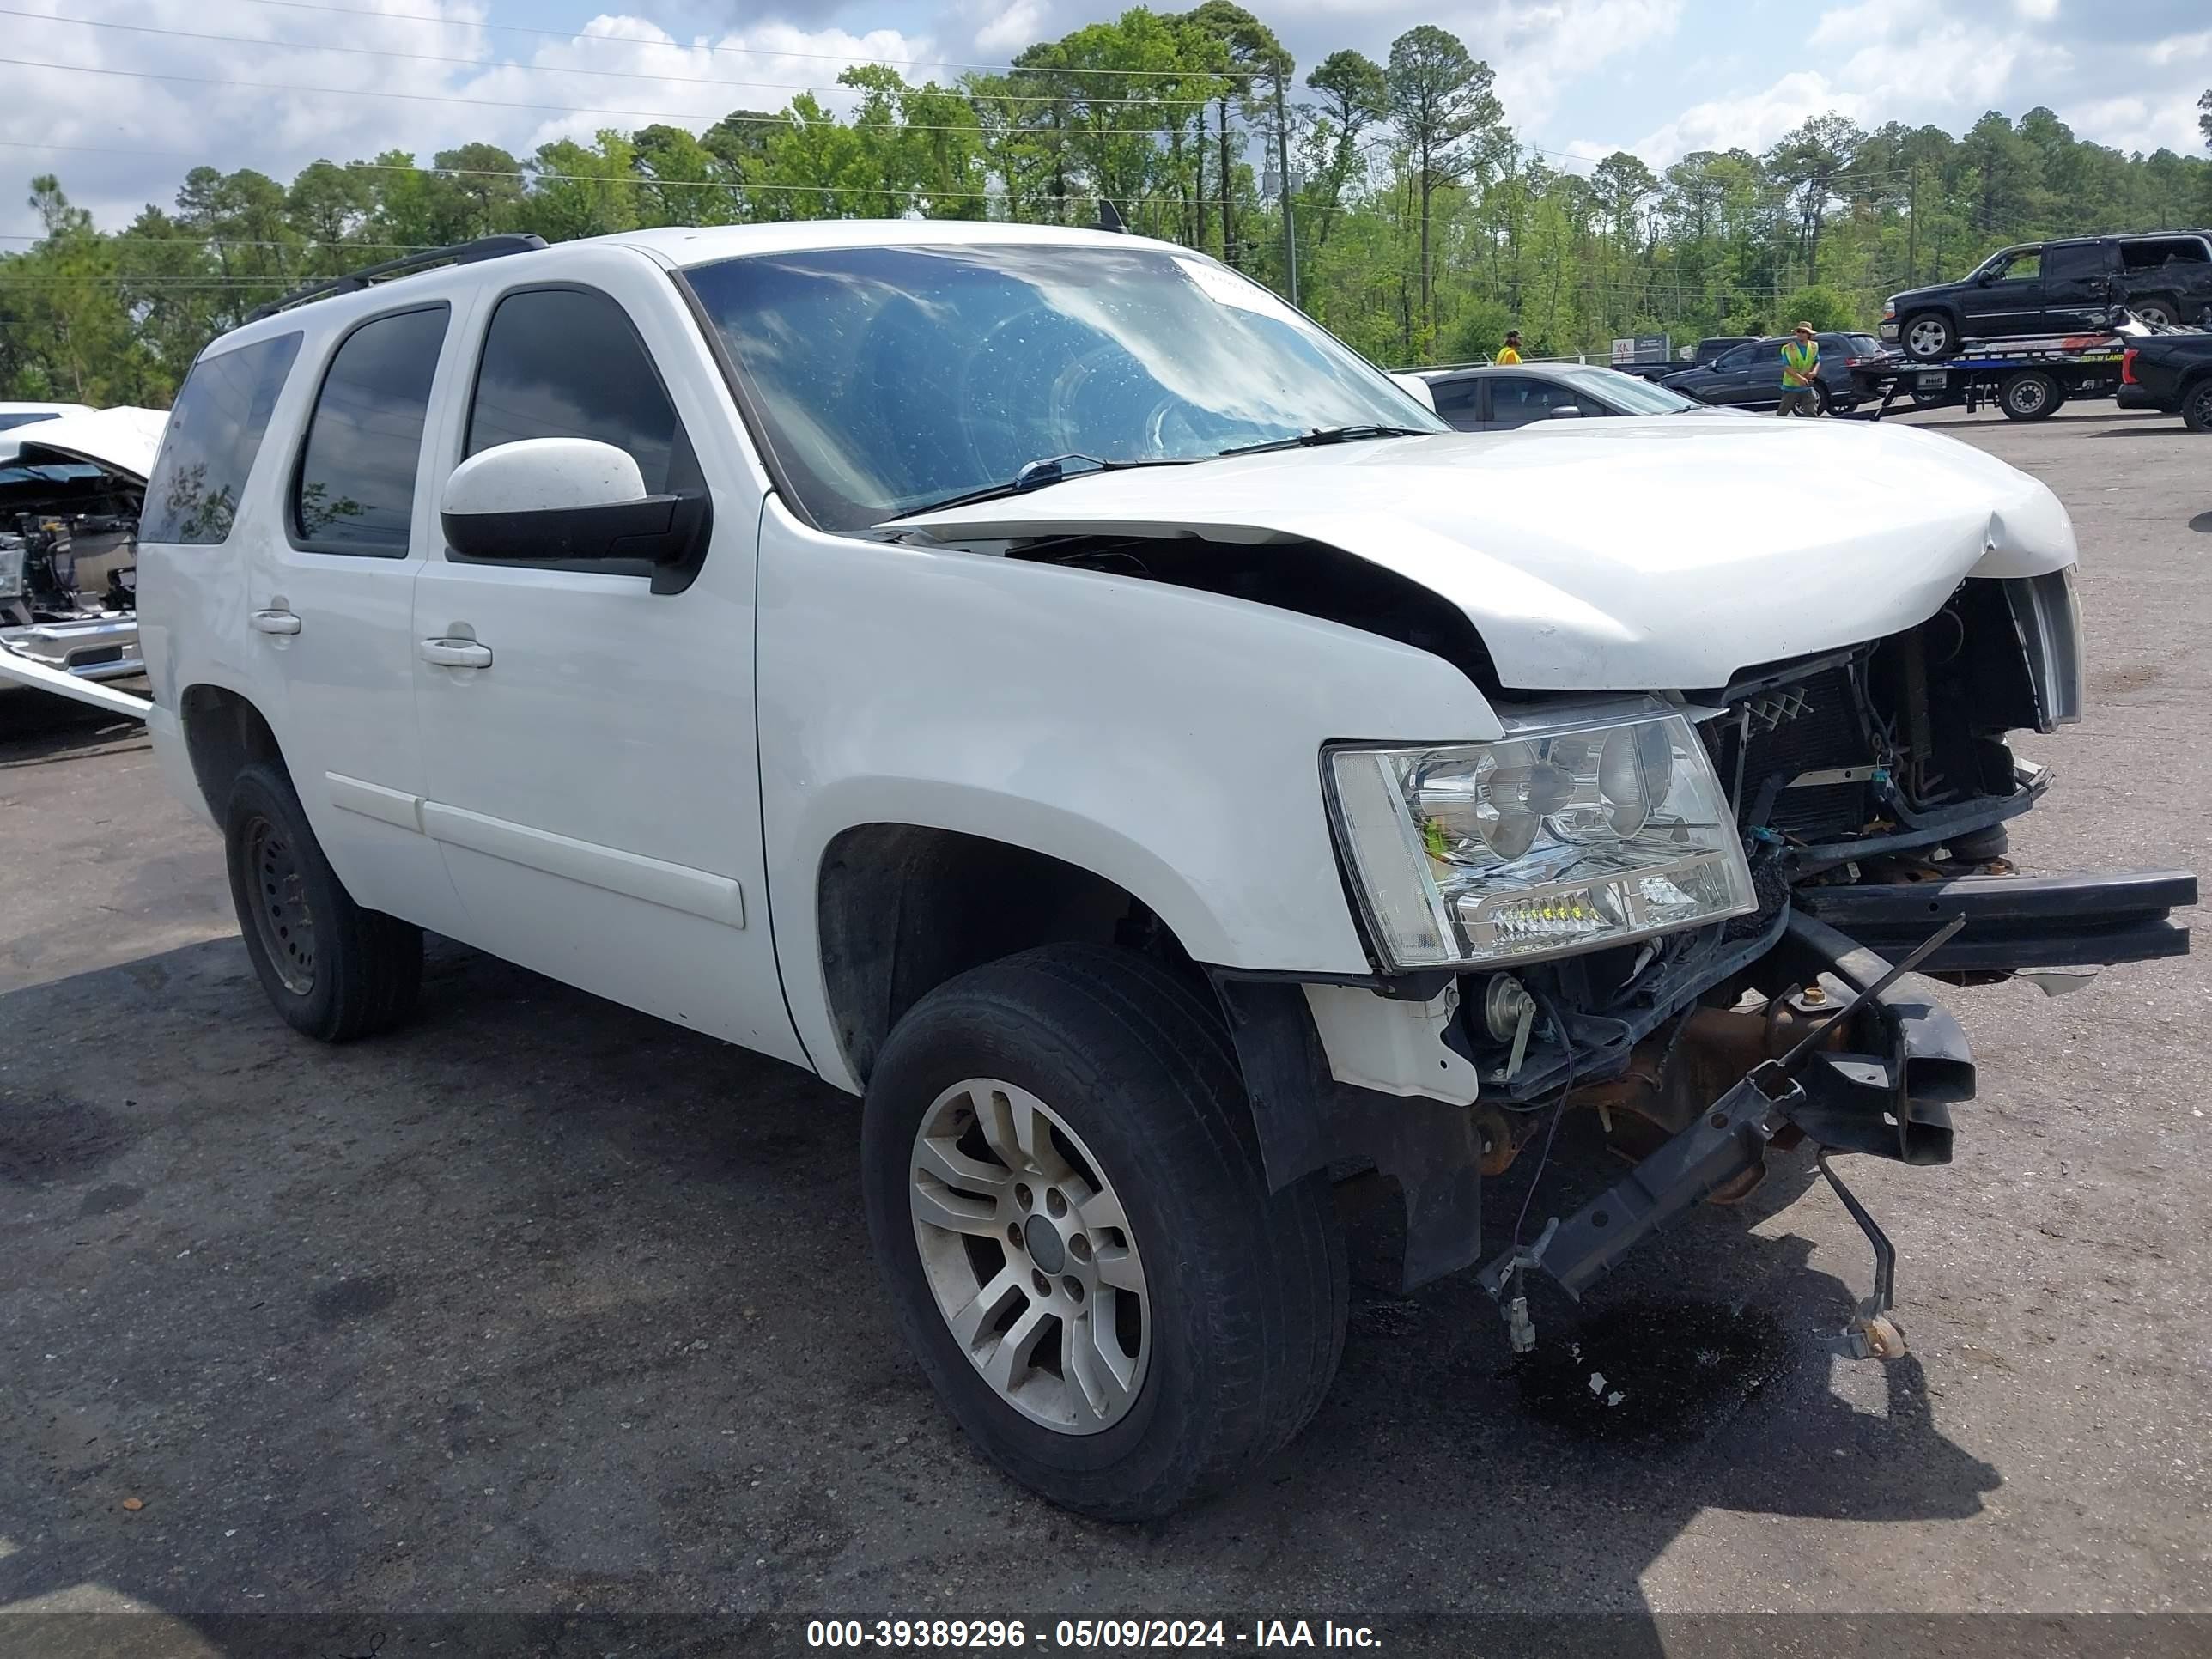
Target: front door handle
{"x": 455, "y": 653}
{"x": 276, "y": 622}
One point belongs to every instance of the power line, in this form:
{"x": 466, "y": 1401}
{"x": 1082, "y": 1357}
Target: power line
{"x": 739, "y": 119}
{"x": 752, "y": 51}
{"x": 488, "y": 65}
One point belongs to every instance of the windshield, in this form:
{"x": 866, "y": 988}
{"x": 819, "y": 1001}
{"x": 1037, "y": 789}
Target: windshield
{"x": 1627, "y": 393}
{"x": 890, "y": 378}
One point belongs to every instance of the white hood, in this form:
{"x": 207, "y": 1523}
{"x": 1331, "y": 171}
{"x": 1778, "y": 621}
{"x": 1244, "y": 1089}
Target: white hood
{"x": 1618, "y": 555}
{"x": 122, "y": 440}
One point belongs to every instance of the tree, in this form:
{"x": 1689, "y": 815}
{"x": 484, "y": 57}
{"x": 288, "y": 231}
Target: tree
{"x": 1811, "y": 162}
{"x": 1447, "y": 118}
{"x": 1253, "y": 50}
{"x": 1357, "y": 97}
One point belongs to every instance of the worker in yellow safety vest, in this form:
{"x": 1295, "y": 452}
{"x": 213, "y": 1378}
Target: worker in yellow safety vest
{"x": 1511, "y": 353}
{"x": 1801, "y": 366}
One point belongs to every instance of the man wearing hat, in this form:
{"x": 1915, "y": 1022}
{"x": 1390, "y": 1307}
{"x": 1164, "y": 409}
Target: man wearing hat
{"x": 1512, "y": 352}
{"x": 1800, "y": 364}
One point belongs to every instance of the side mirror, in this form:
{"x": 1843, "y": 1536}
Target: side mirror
{"x": 1418, "y": 389}
{"x": 1565, "y": 411}
{"x": 1983, "y": 279}
{"x": 546, "y": 501}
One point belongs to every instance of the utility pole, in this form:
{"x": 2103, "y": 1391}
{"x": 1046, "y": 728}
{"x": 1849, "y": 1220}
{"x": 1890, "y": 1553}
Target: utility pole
{"x": 1912, "y": 226}
{"x": 1283, "y": 173}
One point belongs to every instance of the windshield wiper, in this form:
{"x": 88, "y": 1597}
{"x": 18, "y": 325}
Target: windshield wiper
{"x": 1037, "y": 474}
{"x": 1329, "y": 435}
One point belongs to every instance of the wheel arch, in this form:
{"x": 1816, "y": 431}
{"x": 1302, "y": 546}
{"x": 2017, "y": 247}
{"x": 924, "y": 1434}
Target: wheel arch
{"x": 900, "y": 904}
{"x": 224, "y": 733}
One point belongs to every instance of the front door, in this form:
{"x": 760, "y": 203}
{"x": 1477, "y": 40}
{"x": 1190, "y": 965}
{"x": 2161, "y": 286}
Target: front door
{"x": 588, "y": 744}
{"x": 329, "y": 593}
{"x": 2007, "y": 299}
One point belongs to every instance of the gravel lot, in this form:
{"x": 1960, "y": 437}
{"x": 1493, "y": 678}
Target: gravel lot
{"x": 542, "y": 1307}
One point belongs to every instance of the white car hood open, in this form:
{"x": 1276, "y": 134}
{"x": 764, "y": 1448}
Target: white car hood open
{"x": 1653, "y": 554}
{"x": 122, "y": 440}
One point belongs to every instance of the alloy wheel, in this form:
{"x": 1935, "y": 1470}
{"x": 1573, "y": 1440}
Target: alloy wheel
{"x": 1927, "y": 337}
{"x": 1029, "y": 1255}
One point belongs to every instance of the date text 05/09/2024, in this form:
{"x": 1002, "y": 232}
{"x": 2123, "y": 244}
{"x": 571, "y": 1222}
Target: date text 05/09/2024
{"x": 1080, "y": 1634}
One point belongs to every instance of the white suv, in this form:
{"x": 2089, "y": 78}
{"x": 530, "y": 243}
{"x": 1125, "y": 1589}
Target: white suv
{"x": 1037, "y": 680}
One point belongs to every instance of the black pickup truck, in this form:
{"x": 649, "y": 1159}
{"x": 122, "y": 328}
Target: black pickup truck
{"x": 2172, "y": 372}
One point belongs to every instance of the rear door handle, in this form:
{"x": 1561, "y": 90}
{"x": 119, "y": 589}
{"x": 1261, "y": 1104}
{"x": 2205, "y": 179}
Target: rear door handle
{"x": 276, "y": 622}
{"x": 455, "y": 653}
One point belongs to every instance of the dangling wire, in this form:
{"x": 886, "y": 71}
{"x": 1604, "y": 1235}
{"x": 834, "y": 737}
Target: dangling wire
{"x": 1558, "y": 1110}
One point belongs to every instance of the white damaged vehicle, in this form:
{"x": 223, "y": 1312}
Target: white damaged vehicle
{"x": 1037, "y": 681}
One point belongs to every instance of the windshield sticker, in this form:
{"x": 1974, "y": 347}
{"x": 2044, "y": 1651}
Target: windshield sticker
{"x": 1226, "y": 289}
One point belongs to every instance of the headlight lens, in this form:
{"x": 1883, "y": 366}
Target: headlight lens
{"x": 1552, "y": 839}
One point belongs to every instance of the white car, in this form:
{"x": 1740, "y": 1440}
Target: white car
{"x": 1037, "y": 681}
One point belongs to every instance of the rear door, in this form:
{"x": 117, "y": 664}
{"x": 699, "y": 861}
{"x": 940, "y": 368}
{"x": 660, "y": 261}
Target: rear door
{"x": 329, "y": 602}
{"x": 2077, "y": 285}
{"x": 594, "y": 778}
{"x": 1458, "y": 401}
{"x": 2174, "y": 269}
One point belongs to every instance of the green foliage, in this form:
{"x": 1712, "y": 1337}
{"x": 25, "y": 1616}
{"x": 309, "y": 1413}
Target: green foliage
{"x": 1423, "y": 229}
{"x": 1819, "y": 304}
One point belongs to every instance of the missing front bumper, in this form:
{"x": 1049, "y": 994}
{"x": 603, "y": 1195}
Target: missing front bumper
{"x": 1889, "y": 1095}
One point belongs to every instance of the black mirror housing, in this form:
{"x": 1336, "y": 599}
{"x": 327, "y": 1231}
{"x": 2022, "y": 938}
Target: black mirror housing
{"x": 668, "y": 532}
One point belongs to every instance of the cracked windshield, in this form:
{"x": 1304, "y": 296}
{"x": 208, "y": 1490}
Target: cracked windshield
{"x": 891, "y": 378}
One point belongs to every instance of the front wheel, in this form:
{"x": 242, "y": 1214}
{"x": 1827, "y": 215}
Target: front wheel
{"x": 1067, "y": 1203}
{"x": 1929, "y": 336}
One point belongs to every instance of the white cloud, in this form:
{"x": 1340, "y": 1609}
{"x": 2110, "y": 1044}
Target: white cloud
{"x": 1012, "y": 28}
{"x": 1753, "y": 121}
{"x": 310, "y": 102}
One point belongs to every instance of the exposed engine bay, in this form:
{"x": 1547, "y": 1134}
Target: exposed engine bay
{"x": 69, "y": 532}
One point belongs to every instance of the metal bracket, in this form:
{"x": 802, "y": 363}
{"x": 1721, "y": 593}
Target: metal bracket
{"x": 1872, "y": 1333}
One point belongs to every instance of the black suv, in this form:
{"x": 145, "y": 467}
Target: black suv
{"x": 1750, "y": 375}
{"x": 2058, "y": 287}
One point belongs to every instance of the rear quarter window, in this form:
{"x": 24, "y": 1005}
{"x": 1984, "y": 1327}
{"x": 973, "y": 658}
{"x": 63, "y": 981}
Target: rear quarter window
{"x": 2164, "y": 251}
{"x": 213, "y": 433}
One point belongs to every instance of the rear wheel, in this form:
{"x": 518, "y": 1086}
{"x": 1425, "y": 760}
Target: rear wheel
{"x": 2029, "y": 395}
{"x": 1069, "y": 1206}
{"x": 2163, "y": 312}
{"x": 1929, "y": 336}
{"x": 332, "y": 969}
{"x": 2197, "y": 406}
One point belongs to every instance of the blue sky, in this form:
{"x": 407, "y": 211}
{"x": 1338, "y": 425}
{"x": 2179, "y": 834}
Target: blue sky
{"x": 1579, "y": 77}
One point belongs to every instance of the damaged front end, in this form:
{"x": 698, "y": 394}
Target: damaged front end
{"x": 1868, "y": 792}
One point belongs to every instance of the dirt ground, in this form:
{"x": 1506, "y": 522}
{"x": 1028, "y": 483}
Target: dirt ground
{"x": 541, "y": 1307}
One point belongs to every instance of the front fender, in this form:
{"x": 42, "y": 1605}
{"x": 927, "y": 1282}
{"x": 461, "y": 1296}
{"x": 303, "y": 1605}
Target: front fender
{"x": 1166, "y": 740}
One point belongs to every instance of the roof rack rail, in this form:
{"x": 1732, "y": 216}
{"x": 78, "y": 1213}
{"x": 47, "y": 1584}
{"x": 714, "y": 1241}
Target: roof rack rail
{"x": 460, "y": 253}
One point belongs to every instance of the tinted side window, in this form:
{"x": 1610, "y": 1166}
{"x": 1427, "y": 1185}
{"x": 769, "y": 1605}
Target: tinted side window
{"x": 355, "y": 490}
{"x": 2151, "y": 255}
{"x": 213, "y": 433}
{"x": 567, "y": 363}
{"x": 2080, "y": 259}
{"x": 1453, "y": 397}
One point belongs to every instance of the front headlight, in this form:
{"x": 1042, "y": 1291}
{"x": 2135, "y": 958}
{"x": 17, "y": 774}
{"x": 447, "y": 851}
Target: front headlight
{"x": 1554, "y": 839}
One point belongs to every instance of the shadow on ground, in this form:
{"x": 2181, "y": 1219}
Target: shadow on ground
{"x": 542, "y": 1306}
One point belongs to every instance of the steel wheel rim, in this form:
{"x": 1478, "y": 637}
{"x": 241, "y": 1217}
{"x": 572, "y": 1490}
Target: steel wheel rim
{"x": 1029, "y": 1257}
{"x": 281, "y": 915}
{"x": 2028, "y": 397}
{"x": 1927, "y": 337}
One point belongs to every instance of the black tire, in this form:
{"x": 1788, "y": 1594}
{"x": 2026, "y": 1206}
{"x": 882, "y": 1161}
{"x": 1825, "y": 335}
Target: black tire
{"x": 2030, "y": 395}
{"x": 1246, "y": 1289}
{"x": 2162, "y": 312}
{"x": 358, "y": 971}
{"x": 2197, "y": 406}
{"x": 1938, "y": 336}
